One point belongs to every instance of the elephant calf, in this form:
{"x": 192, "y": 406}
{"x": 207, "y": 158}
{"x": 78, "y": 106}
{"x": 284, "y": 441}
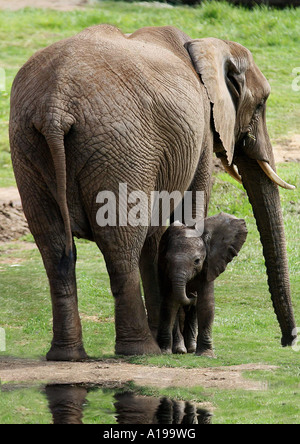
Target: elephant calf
{"x": 191, "y": 259}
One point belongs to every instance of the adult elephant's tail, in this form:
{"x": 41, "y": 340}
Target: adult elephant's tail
{"x": 55, "y": 142}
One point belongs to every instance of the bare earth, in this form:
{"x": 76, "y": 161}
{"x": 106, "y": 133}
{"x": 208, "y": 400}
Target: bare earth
{"x": 117, "y": 373}
{"x": 13, "y": 224}
{"x": 62, "y": 5}
{"x": 288, "y": 150}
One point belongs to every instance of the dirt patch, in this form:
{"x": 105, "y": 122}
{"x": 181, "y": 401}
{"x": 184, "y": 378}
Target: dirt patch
{"x": 285, "y": 150}
{"x": 13, "y": 224}
{"x": 8, "y": 195}
{"x": 288, "y": 150}
{"x": 61, "y": 5}
{"x": 119, "y": 373}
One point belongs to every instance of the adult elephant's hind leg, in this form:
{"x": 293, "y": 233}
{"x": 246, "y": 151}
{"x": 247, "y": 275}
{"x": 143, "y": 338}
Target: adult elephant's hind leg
{"x": 67, "y": 334}
{"x": 133, "y": 335}
{"x": 122, "y": 254}
{"x": 46, "y": 225}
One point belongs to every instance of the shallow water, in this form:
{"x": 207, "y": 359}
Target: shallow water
{"x": 86, "y": 404}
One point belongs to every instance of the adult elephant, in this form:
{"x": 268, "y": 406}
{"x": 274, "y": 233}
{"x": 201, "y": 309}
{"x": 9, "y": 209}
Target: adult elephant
{"x": 147, "y": 109}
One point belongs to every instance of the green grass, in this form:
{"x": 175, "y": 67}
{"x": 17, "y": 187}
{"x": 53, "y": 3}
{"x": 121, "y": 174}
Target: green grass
{"x": 272, "y": 35}
{"x": 24, "y": 406}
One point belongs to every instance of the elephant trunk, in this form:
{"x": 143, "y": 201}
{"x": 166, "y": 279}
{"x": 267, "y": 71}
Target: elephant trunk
{"x": 174, "y": 297}
{"x": 179, "y": 292}
{"x": 265, "y": 200}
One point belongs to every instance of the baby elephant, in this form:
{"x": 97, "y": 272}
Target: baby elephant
{"x": 190, "y": 259}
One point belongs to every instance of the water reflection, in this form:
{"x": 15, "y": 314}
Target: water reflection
{"x": 133, "y": 409}
{"x": 66, "y": 403}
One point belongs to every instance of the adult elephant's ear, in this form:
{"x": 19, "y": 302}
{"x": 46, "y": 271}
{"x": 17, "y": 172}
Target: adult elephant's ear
{"x": 224, "y": 235}
{"x": 214, "y": 63}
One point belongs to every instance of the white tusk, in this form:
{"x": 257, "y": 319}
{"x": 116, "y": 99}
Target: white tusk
{"x": 273, "y": 176}
{"x": 231, "y": 170}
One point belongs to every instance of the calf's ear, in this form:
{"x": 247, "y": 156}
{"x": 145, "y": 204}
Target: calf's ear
{"x": 224, "y": 235}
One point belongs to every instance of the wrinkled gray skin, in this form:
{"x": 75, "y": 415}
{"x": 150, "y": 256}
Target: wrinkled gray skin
{"x": 148, "y": 109}
{"x": 190, "y": 259}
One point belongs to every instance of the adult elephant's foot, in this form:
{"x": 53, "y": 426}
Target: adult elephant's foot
{"x": 70, "y": 353}
{"x": 131, "y": 348}
{"x": 207, "y": 353}
{"x": 133, "y": 335}
{"x": 205, "y": 344}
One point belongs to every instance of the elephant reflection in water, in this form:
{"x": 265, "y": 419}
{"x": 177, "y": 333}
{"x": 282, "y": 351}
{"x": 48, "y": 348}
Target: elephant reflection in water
{"x": 132, "y": 409}
{"x": 66, "y": 403}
